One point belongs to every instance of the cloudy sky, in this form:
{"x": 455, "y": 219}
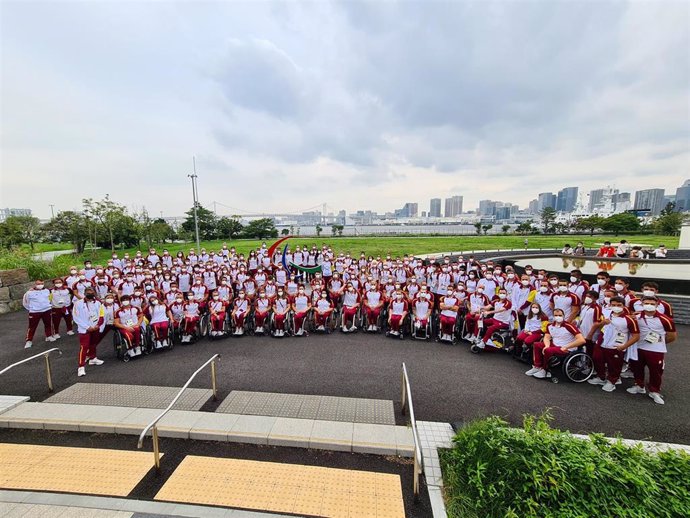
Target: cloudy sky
{"x": 288, "y": 105}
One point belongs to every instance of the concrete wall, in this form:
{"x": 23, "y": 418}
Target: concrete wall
{"x": 13, "y": 285}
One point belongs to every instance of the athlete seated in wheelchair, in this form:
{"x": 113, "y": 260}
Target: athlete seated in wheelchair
{"x": 240, "y": 311}
{"x": 218, "y": 316}
{"x": 301, "y": 307}
{"x": 279, "y": 316}
{"x": 421, "y": 321}
{"x": 532, "y": 332}
{"x": 128, "y": 321}
{"x": 372, "y": 308}
{"x": 349, "y": 309}
{"x": 496, "y": 320}
{"x": 323, "y": 313}
{"x": 397, "y": 314}
{"x": 191, "y": 322}
{"x": 159, "y": 324}
{"x": 449, "y": 306}
{"x": 561, "y": 339}
{"x": 262, "y": 310}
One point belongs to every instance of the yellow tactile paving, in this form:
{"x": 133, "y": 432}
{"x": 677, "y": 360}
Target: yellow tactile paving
{"x": 72, "y": 470}
{"x": 285, "y": 488}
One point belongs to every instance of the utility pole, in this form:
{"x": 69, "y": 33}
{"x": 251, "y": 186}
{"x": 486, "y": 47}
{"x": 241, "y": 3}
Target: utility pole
{"x": 52, "y": 211}
{"x": 193, "y": 176}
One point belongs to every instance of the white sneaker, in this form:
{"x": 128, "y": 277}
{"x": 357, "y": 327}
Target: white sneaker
{"x": 322, "y": 328}
{"x": 343, "y": 329}
{"x": 240, "y": 331}
{"x": 137, "y": 351}
{"x": 636, "y": 390}
{"x": 81, "y": 371}
{"x": 627, "y": 374}
{"x": 532, "y": 371}
{"x": 50, "y": 339}
{"x": 353, "y": 328}
{"x": 299, "y": 332}
{"x": 259, "y": 330}
{"x": 618, "y": 382}
{"x": 480, "y": 344}
{"x": 596, "y": 381}
{"x": 656, "y": 397}
{"x": 70, "y": 333}
{"x": 131, "y": 353}
{"x": 28, "y": 344}
{"x": 96, "y": 361}
{"x": 159, "y": 344}
{"x": 56, "y": 336}
{"x": 608, "y": 386}
{"x": 541, "y": 374}
{"x": 281, "y": 332}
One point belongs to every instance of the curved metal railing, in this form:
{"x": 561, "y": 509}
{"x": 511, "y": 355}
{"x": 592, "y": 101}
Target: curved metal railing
{"x": 407, "y": 402}
{"x": 153, "y": 425}
{"x": 46, "y": 355}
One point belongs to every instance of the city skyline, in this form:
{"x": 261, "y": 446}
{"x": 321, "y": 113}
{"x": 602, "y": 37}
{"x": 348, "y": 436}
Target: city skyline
{"x": 272, "y": 97}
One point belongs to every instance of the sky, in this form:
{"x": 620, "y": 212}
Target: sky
{"x": 360, "y": 105}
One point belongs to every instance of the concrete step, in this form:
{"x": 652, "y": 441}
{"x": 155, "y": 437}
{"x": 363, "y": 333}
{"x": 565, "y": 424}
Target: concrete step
{"x": 136, "y": 396}
{"x": 9, "y": 402}
{"x": 268, "y": 430}
{"x": 323, "y": 408}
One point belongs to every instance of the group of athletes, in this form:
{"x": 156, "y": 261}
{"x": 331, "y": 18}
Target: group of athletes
{"x": 168, "y": 296}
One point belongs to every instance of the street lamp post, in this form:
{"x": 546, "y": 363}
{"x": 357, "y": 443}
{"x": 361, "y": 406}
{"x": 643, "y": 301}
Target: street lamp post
{"x": 193, "y": 176}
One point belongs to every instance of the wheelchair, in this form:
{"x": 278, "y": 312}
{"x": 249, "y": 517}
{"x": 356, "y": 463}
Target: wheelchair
{"x": 151, "y": 338}
{"x": 356, "y": 319}
{"x": 200, "y": 330}
{"x": 577, "y": 367}
{"x": 287, "y": 325}
{"x": 266, "y": 328}
{"x": 122, "y": 345}
{"x": 331, "y": 323}
{"x": 223, "y": 334}
{"x": 426, "y": 332}
{"x": 404, "y": 326}
{"x": 381, "y": 321}
{"x": 458, "y": 328}
{"x": 248, "y": 325}
{"x": 501, "y": 340}
{"x": 306, "y": 326}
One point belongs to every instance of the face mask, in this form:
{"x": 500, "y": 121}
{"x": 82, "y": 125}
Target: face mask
{"x": 461, "y": 288}
{"x": 501, "y": 296}
{"x": 617, "y": 309}
{"x": 58, "y": 286}
{"x": 540, "y": 276}
{"x": 543, "y": 289}
{"x": 450, "y": 294}
{"x": 480, "y": 290}
{"x": 489, "y": 277}
{"x": 109, "y": 301}
{"x": 472, "y": 276}
{"x": 619, "y": 287}
{"x": 553, "y": 282}
{"x": 39, "y": 286}
{"x": 607, "y": 300}
{"x": 154, "y": 302}
{"x": 280, "y": 293}
{"x": 528, "y": 272}
{"x": 511, "y": 275}
{"x": 73, "y": 272}
{"x": 649, "y": 307}
{"x": 525, "y": 283}
{"x": 216, "y": 297}
{"x": 558, "y": 319}
{"x": 82, "y": 277}
{"x": 573, "y": 278}
{"x": 87, "y": 265}
{"x": 125, "y": 303}
{"x": 535, "y": 311}
{"x": 241, "y": 295}
{"x": 323, "y": 295}
{"x": 562, "y": 289}
{"x": 601, "y": 282}
{"x": 588, "y": 300}
{"x": 179, "y": 301}
{"x": 137, "y": 293}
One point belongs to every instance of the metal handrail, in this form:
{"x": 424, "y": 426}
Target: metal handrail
{"x": 153, "y": 424}
{"x": 418, "y": 456}
{"x": 45, "y": 354}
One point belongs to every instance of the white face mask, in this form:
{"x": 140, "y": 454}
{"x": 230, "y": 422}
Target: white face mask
{"x": 501, "y": 296}
{"x": 544, "y": 289}
{"x": 480, "y": 290}
{"x": 649, "y": 307}
{"x": 154, "y": 302}
{"x": 125, "y": 303}
{"x": 601, "y": 282}
{"x": 553, "y": 282}
{"x": 573, "y": 278}
{"x": 648, "y": 293}
{"x": 558, "y": 319}
{"x": 216, "y": 297}
{"x": 511, "y": 275}
{"x": 588, "y": 300}
{"x": 108, "y": 301}
{"x": 179, "y": 301}
{"x": 40, "y": 286}
{"x": 617, "y": 309}
{"x": 562, "y": 289}
{"x": 535, "y": 311}
{"x": 607, "y": 300}
{"x": 619, "y": 287}
{"x": 525, "y": 283}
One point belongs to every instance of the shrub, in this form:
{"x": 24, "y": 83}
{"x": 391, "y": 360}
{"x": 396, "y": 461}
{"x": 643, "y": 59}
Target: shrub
{"x": 38, "y": 269}
{"x": 494, "y": 470}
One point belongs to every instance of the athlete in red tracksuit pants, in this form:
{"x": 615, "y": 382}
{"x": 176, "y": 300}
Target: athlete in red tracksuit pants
{"x": 217, "y": 309}
{"x": 89, "y": 315}
{"x": 301, "y": 307}
{"x": 262, "y": 306}
{"x": 281, "y": 306}
{"x": 397, "y": 312}
{"x": 61, "y": 301}
{"x": 323, "y": 308}
{"x": 350, "y": 308}
{"x": 37, "y": 303}
{"x": 560, "y": 338}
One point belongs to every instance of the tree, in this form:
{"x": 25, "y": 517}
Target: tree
{"x": 478, "y": 227}
{"x": 11, "y": 232}
{"x": 669, "y": 222}
{"x": 486, "y": 228}
{"x": 68, "y": 227}
{"x": 260, "y": 229}
{"x": 207, "y": 222}
{"x": 505, "y": 229}
{"x": 229, "y": 228}
{"x": 335, "y": 228}
{"x": 590, "y": 223}
{"x": 340, "y": 230}
{"x": 525, "y": 227}
{"x": 548, "y": 218}
{"x": 623, "y": 222}
{"x": 161, "y": 231}
{"x": 319, "y": 228}
{"x": 106, "y": 212}
{"x": 285, "y": 232}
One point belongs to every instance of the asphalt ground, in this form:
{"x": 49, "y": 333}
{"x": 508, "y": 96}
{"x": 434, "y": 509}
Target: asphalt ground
{"x": 448, "y": 382}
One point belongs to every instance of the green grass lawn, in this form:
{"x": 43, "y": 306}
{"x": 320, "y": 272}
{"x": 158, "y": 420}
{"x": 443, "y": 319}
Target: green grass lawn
{"x": 395, "y": 246}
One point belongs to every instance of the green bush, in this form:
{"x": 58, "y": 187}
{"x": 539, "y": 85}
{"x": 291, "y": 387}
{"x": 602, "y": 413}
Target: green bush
{"x": 17, "y": 258}
{"x": 494, "y": 470}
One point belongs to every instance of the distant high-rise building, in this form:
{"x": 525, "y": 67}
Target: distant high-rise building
{"x": 533, "y": 207}
{"x": 622, "y": 202}
{"x": 409, "y": 210}
{"x": 507, "y": 211}
{"x": 683, "y": 197}
{"x": 651, "y": 200}
{"x": 6, "y": 213}
{"x": 453, "y": 206}
{"x": 435, "y": 208}
{"x": 487, "y": 208}
{"x": 595, "y": 198}
{"x": 566, "y": 200}
{"x": 546, "y": 199}
{"x": 342, "y": 217}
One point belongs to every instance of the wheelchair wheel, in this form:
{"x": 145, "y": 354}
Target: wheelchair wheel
{"x": 120, "y": 345}
{"x": 204, "y": 325}
{"x": 147, "y": 340}
{"x": 578, "y": 367}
